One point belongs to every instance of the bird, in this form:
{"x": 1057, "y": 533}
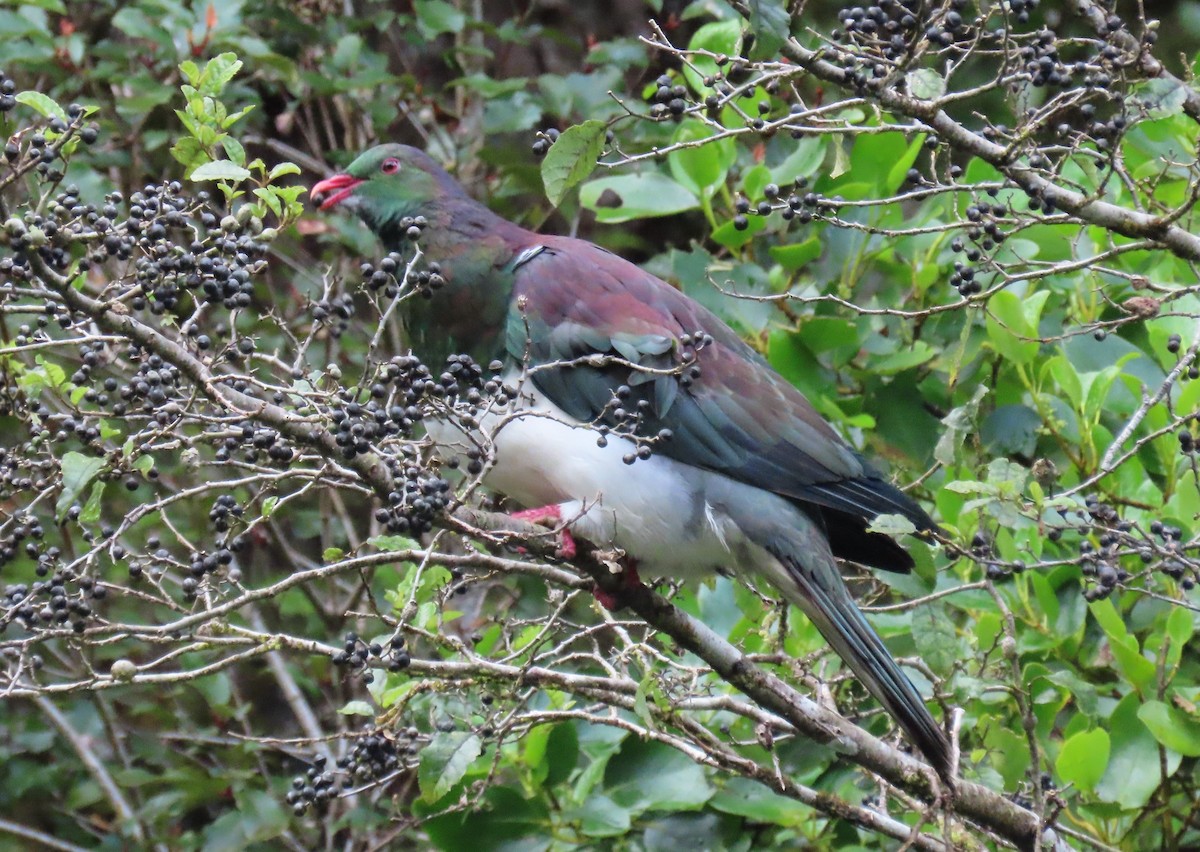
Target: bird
{"x": 645, "y": 423}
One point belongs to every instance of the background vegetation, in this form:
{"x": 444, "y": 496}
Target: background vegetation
{"x": 244, "y": 609}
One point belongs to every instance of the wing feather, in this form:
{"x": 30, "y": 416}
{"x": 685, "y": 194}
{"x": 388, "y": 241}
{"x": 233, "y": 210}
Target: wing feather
{"x": 737, "y": 416}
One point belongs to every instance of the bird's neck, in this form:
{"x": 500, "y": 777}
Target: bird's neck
{"x": 473, "y": 248}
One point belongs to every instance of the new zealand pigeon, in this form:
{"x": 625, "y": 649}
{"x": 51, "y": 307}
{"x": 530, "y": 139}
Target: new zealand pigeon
{"x": 645, "y": 424}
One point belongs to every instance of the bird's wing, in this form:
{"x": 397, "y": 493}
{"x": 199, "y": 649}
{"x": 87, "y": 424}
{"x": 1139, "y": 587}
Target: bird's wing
{"x": 602, "y": 336}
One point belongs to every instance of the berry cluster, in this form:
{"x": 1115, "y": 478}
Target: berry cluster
{"x": 417, "y": 499}
{"x": 890, "y": 27}
{"x": 357, "y": 654}
{"x": 335, "y": 313}
{"x": 63, "y": 598}
{"x": 543, "y": 141}
{"x": 984, "y": 231}
{"x": 373, "y": 757}
{"x": 803, "y": 208}
{"x": 315, "y": 788}
{"x": 668, "y": 98}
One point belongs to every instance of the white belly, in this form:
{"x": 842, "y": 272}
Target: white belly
{"x": 656, "y": 510}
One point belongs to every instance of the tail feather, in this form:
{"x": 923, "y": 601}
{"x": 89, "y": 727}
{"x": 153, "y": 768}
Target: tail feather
{"x": 823, "y": 597}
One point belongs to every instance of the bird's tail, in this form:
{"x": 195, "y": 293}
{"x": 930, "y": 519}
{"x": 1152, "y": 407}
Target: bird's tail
{"x": 822, "y": 595}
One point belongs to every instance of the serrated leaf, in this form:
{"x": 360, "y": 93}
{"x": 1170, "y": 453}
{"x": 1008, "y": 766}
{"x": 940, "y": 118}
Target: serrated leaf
{"x": 234, "y": 149}
{"x": 445, "y": 761}
{"x": 572, "y": 158}
{"x": 393, "y": 543}
{"x": 44, "y": 104}
{"x": 281, "y": 169}
{"x": 218, "y": 72}
{"x": 220, "y": 170}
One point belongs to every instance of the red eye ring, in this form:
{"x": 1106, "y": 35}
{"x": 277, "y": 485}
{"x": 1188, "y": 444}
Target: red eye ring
{"x": 390, "y": 166}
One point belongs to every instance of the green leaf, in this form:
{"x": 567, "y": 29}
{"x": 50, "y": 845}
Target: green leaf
{"x": 1067, "y": 379}
{"x": 445, "y": 761}
{"x": 600, "y": 816}
{"x": 1162, "y": 96}
{"x": 44, "y": 104}
{"x": 234, "y": 149}
{"x": 755, "y": 801}
{"x": 729, "y": 236}
{"x": 1007, "y": 325}
{"x": 792, "y": 257}
{"x": 754, "y": 181}
{"x": 572, "y": 158}
{"x": 936, "y": 638}
{"x": 190, "y": 71}
{"x": 1133, "y": 772}
{"x": 959, "y": 423}
{"x": 435, "y": 17}
{"x": 905, "y": 359}
{"x": 770, "y": 21}
{"x": 1179, "y": 631}
{"x": 925, "y": 83}
{"x": 703, "y": 168}
{"x": 804, "y": 160}
{"x": 621, "y": 198}
{"x": 92, "y": 509}
{"x": 77, "y": 471}
{"x": 218, "y": 72}
{"x": 717, "y": 37}
{"x": 1083, "y": 759}
{"x": 281, "y": 169}
{"x": 1132, "y": 663}
{"x": 220, "y": 170}
{"x": 502, "y": 820}
{"x": 1171, "y": 727}
{"x": 651, "y": 776}
{"x": 357, "y": 708}
{"x": 189, "y": 151}
{"x": 393, "y": 543}
{"x": 892, "y": 524}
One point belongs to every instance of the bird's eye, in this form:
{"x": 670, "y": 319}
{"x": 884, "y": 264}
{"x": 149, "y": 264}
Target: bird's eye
{"x": 390, "y": 166}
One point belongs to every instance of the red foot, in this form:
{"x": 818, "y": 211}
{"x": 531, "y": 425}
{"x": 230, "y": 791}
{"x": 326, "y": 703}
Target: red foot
{"x": 613, "y": 601}
{"x": 553, "y": 513}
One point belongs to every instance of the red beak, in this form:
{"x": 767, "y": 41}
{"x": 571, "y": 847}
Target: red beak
{"x": 338, "y": 188}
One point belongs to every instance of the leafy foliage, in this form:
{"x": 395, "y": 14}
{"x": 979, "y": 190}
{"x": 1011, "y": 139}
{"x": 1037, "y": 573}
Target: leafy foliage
{"x": 973, "y": 248}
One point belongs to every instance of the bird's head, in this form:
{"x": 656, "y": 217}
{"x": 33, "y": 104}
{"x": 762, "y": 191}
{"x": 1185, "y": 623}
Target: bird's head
{"x": 386, "y": 183}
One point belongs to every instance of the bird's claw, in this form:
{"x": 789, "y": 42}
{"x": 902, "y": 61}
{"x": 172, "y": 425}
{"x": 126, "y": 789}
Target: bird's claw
{"x": 550, "y": 516}
{"x": 613, "y": 601}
